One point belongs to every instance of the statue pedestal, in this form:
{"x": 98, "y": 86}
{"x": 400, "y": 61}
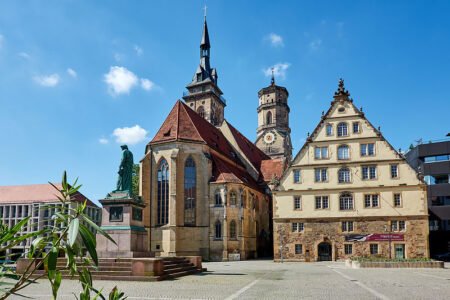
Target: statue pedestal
{"x": 122, "y": 220}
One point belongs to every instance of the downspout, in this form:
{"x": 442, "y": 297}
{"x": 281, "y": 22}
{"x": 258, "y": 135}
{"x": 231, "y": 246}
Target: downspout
{"x": 151, "y": 193}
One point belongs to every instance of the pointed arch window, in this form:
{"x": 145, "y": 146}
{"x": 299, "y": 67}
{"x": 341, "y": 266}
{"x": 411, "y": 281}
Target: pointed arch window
{"x": 189, "y": 192}
{"x": 218, "y": 229}
{"x": 269, "y": 118}
{"x": 233, "y": 229}
{"x": 163, "y": 193}
{"x": 218, "y": 198}
{"x": 233, "y": 198}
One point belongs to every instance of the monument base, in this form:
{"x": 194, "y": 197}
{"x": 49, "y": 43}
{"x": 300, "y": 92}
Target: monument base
{"x": 122, "y": 220}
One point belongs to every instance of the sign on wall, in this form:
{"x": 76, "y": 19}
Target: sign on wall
{"x": 376, "y": 237}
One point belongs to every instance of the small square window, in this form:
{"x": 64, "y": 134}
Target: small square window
{"x": 329, "y": 129}
{"x": 394, "y": 225}
{"x": 301, "y": 227}
{"x": 373, "y": 248}
{"x": 355, "y": 127}
{"x": 348, "y": 248}
{"x": 298, "y": 249}
{"x": 397, "y": 200}
{"x": 347, "y": 226}
{"x": 294, "y": 227}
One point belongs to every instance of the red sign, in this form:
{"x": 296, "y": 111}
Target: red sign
{"x": 385, "y": 237}
{"x": 376, "y": 237}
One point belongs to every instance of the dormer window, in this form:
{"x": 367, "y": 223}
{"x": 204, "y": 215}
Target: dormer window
{"x": 342, "y": 129}
{"x": 199, "y": 77}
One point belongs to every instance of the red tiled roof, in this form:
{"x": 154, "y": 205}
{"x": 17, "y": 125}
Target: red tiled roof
{"x": 253, "y": 153}
{"x": 36, "y": 193}
{"x": 272, "y": 166}
{"x": 184, "y": 124}
{"x": 226, "y": 172}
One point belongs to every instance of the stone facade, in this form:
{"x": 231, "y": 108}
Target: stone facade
{"x": 348, "y": 183}
{"x": 273, "y": 132}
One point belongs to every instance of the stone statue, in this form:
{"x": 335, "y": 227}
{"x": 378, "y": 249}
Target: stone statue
{"x": 125, "y": 170}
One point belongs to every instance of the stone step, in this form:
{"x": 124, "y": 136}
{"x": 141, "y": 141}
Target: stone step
{"x": 180, "y": 269}
{"x": 177, "y": 264}
{"x": 182, "y": 273}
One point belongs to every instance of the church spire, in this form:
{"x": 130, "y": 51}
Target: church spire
{"x": 204, "y": 47}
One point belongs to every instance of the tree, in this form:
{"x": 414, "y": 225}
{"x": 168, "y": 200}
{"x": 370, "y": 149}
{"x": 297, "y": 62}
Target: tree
{"x": 135, "y": 180}
{"x": 69, "y": 234}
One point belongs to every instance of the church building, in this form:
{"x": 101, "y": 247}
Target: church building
{"x": 349, "y": 193}
{"x": 204, "y": 184}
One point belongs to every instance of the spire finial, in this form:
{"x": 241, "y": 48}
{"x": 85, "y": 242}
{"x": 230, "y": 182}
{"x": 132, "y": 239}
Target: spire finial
{"x": 341, "y": 90}
{"x": 273, "y": 78}
{"x": 204, "y": 8}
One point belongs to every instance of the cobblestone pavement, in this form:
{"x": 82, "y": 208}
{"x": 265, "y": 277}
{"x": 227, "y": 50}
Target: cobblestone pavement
{"x": 264, "y": 279}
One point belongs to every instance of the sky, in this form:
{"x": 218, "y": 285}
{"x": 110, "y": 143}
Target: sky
{"x": 80, "y": 78}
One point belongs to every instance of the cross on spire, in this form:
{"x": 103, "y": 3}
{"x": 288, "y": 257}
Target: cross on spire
{"x": 204, "y": 8}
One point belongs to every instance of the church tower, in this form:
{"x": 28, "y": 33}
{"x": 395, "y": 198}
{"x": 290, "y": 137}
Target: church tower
{"x": 204, "y": 96}
{"x": 273, "y": 133}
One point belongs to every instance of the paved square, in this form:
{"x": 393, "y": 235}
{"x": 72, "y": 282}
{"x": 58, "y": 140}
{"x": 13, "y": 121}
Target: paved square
{"x": 264, "y": 279}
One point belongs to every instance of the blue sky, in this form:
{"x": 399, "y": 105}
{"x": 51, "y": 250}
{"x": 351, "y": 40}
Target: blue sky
{"x": 78, "y": 78}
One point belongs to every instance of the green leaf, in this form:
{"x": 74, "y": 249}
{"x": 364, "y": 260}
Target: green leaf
{"x": 97, "y": 228}
{"x": 74, "y": 190}
{"x": 56, "y": 284}
{"x": 73, "y": 231}
{"x": 89, "y": 242}
{"x": 51, "y": 263}
{"x": 64, "y": 180}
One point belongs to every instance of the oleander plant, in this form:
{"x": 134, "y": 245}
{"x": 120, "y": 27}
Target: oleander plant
{"x": 67, "y": 235}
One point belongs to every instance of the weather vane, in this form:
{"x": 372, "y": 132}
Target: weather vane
{"x": 204, "y": 8}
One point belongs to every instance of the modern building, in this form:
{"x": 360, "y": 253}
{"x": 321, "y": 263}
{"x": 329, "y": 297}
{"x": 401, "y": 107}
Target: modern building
{"x": 40, "y": 202}
{"x": 432, "y": 160}
{"x": 204, "y": 184}
{"x": 349, "y": 193}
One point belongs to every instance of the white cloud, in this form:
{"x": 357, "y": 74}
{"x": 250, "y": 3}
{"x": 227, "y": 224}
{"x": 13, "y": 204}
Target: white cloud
{"x": 103, "y": 141}
{"x": 139, "y": 50}
{"x": 279, "y": 70}
{"x": 147, "y": 84}
{"x": 275, "y": 40}
{"x": 130, "y": 135}
{"x": 120, "y": 80}
{"x": 315, "y": 44}
{"x": 24, "y": 55}
{"x": 47, "y": 80}
{"x": 71, "y": 72}
{"x": 118, "y": 57}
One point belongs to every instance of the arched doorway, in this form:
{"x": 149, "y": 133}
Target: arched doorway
{"x": 324, "y": 252}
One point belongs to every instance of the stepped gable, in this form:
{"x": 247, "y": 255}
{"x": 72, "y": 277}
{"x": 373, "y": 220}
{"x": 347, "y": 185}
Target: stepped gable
{"x": 253, "y": 153}
{"x": 224, "y": 171}
{"x": 184, "y": 124}
{"x": 46, "y": 193}
{"x": 272, "y": 166}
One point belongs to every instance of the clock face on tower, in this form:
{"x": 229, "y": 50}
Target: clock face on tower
{"x": 269, "y": 138}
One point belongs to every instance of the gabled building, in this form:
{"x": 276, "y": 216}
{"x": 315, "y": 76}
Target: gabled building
{"x": 203, "y": 182}
{"x": 349, "y": 193}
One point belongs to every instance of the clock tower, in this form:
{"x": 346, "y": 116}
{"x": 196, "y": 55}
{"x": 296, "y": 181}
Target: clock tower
{"x": 273, "y": 133}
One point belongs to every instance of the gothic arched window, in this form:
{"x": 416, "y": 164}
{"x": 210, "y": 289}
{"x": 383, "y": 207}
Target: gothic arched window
{"x": 269, "y": 118}
{"x": 189, "y": 192}
{"x": 344, "y": 175}
{"x": 218, "y": 198}
{"x": 342, "y": 129}
{"x": 218, "y": 228}
{"x": 343, "y": 152}
{"x": 233, "y": 198}
{"x": 163, "y": 193}
{"x": 201, "y": 111}
{"x": 233, "y": 229}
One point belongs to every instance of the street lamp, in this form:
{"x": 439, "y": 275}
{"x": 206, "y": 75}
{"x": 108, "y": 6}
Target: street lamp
{"x": 386, "y": 229}
{"x": 281, "y": 232}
